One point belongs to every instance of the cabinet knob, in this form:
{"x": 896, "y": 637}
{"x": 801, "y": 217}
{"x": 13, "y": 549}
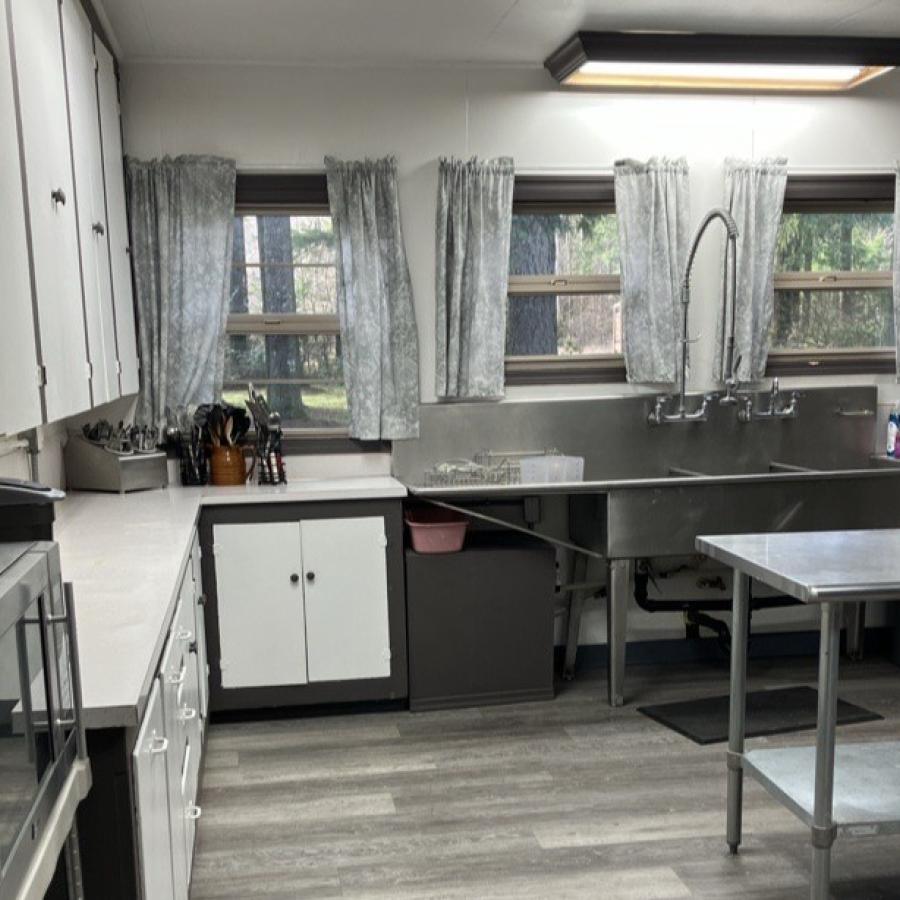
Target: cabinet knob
{"x": 58, "y": 196}
{"x": 310, "y": 577}
{"x": 294, "y": 578}
{"x": 98, "y": 228}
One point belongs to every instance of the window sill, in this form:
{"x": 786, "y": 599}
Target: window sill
{"x": 831, "y": 362}
{"x": 303, "y": 443}
{"x": 529, "y": 370}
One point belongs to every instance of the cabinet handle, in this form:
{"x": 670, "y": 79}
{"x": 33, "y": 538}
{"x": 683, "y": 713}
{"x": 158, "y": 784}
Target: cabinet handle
{"x": 310, "y": 577}
{"x": 193, "y": 813}
{"x": 201, "y": 600}
{"x": 187, "y": 713}
{"x": 98, "y": 228}
{"x": 159, "y": 745}
{"x": 294, "y": 578}
{"x": 58, "y": 196}
{"x": 185, "y": 634}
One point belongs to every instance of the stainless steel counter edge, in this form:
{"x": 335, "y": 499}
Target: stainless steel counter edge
{"x": 129, "y": 714}
{"x": 478, "y": 491}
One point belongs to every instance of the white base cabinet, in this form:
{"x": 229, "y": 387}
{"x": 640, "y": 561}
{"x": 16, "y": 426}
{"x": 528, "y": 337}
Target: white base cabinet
{"x": 302, "y": 602}
{"x": 151, "y": 789}
{"x": 167, "y": 755}
{"x": 345, "y": 599}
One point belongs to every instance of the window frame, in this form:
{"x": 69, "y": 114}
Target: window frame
{"x": 564, "y": 194}
{"x": 300, "y": 194}
{"x": 834, "y": 194}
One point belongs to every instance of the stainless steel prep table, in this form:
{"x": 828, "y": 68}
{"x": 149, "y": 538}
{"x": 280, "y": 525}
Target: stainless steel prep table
{"x": 861, "y": 796}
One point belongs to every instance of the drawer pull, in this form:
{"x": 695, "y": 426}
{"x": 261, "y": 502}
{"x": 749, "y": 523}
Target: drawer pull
{"x": 159, "y": 745}
{"x": 193, "y": 813}
{"x": 58, "y": 196}
{"x": 187, "y": 713}
{"x": 98, "y": 228}
{"x": 176, "y": 679}
{"x": 185, "y": 634}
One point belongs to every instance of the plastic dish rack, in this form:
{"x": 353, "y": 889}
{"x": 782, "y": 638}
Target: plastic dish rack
{"x": 492, "y": 467}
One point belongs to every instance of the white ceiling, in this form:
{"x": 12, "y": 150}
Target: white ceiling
{"x": 448, "y": 32}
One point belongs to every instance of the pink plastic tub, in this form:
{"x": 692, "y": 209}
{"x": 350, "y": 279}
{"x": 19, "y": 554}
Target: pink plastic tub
{"x": 436, "y": 530}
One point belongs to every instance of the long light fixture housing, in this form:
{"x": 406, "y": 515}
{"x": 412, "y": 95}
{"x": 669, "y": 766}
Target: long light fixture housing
{"x": 721, "y": 62}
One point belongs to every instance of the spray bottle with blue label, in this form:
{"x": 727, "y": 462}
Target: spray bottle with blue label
{"x": 893, "y": 430}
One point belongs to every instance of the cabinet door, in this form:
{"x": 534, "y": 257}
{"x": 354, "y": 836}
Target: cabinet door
{"x": 117, "y": 219}
{"x": 81, "y": 81}
{"x": 259, "y": 594}
{"x": 51, "y": 205}
{"x": 21, "y": 408}
{"x": 174, "y": 677}
{"x": 345, "y": 585}
{"x": 151, "y": 789}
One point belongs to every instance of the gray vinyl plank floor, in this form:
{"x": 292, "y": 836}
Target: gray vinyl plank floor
{"x": 566, "y": 799}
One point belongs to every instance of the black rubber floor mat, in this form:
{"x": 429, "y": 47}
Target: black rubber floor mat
{"x": 705, "y": 721}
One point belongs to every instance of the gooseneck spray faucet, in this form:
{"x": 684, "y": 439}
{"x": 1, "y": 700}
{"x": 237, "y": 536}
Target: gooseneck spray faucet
{"x": 658, "y": 416}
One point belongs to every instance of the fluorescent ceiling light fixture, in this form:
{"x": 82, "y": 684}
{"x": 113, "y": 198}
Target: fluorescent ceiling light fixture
{"x": 714, "y": 62}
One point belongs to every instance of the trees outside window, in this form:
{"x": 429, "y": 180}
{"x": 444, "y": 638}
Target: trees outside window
{"x": 283, "y": 332}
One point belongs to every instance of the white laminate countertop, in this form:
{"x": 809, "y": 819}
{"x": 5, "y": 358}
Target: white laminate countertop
{"x": 124, "y": 553}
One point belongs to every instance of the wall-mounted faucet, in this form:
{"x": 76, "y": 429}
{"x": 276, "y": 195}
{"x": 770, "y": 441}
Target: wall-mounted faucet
{"x": 658, "y": 415}
{"x": 775, "y": 410}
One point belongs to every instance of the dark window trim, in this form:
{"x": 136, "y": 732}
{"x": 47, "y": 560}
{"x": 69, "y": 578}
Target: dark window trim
{"x": 295, "y": 444}
{"x": 282, "y": 190}
{"x": 563, "y": 193}
{"x": 831, "y": 362}
{"x": 531, "y": 370}
{"x": 839, "y": 193}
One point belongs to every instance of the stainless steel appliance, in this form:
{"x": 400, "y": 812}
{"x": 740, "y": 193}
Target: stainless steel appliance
{"x": 44, "y": 772}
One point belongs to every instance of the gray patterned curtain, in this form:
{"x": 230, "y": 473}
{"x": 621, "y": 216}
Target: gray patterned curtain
{"x": 474, "y": 217}
{"x": 897, "y": 266}
{"x": 754, "y": 195}
{"x": 180, "y": 213}
{"x": 652, "y": 211}
{"x": 378, "y": 325}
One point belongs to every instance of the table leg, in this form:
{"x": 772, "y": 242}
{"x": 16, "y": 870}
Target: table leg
{"x": 573, "y": 620}
{"x": 619, "y": 589}
{"x": 823, "y": 827}
{"x": 738, "y": 706}
{"x": 855, "y": 618}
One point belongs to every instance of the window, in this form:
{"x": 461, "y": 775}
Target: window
{"x": 833, "y": 296}
{"x": 282, "y": 331}
{"x": 564, "y": 318}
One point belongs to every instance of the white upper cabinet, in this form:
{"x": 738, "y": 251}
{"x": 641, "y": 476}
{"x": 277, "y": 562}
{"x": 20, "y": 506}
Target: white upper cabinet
{"x": 117, "y": 219}
{"x": 51, "y": 205}
{"x": 78, "y": 38}
{"x": 21, "y": 408}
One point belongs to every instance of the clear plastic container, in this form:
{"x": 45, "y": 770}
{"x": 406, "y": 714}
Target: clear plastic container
{"x": 551, "y": 469}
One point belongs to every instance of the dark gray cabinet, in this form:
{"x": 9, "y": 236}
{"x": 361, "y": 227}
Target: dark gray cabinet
{"x": 481, "y": 624}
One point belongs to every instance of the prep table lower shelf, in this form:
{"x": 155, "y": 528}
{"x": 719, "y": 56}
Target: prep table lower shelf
{"x": 866, "y": 784}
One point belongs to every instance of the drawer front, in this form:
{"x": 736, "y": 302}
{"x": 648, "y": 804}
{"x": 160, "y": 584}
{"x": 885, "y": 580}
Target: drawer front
{"x": 151, "y": 791}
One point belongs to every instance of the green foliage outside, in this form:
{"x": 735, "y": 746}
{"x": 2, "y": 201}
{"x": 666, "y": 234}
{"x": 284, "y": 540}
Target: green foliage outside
{"x": 587, "y": 244}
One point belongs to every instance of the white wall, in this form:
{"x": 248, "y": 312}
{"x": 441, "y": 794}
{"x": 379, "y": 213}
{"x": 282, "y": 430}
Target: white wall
{"x": 290, "y": 117}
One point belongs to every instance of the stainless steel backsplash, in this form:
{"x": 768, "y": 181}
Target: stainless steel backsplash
{"x": 616, "y": 441}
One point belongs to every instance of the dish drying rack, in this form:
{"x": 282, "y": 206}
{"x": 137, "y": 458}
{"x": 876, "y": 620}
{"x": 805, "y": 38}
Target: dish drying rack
{"x": 488, "y": 467}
